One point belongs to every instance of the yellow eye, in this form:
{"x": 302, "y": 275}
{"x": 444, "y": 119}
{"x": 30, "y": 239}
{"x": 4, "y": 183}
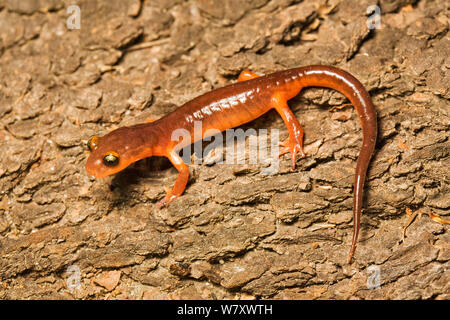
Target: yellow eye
{"x": 92, "y": 143}
{"x": 111, "y": 159}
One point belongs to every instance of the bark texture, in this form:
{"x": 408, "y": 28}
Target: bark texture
{"x": 235, "y": 233}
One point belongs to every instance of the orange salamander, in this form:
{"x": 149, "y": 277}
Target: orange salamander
{"x": 229, "y": 107}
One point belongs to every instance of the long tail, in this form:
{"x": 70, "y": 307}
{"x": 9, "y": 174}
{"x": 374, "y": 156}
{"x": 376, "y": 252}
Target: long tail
{"x": 342, "y": 81}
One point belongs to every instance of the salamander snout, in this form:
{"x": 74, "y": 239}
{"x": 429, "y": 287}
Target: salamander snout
{"x": 115, "y": 151}
{"x": 102, "y": 162}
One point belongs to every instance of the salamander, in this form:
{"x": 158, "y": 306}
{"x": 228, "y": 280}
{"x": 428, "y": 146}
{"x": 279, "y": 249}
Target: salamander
{"x": 231, "y": 106}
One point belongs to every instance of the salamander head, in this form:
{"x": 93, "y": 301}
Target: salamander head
{"x": 115, "y": 151}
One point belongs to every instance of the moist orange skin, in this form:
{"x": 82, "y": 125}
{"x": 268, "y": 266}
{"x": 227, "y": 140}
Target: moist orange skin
{"x": 234, "y": 105}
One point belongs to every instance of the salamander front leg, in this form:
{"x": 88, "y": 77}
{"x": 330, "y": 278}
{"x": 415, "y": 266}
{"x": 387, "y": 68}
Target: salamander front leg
{"x": 180, "y": 183}
{"x": 294, "y": 144}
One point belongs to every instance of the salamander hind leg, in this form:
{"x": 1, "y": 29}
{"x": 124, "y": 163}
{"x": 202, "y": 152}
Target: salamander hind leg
{"x": 247, "y": 75}
{"x": 294, "y": 144}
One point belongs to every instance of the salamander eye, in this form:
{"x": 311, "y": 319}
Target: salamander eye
{"x": 111, "y": 159}
{"x": 92, "y": 143}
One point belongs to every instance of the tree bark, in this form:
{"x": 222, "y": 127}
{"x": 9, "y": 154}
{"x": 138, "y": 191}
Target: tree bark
{"x": 235, "y": 233}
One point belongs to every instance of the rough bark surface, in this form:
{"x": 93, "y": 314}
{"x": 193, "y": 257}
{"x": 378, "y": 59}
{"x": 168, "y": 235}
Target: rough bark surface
{"x": 235, "y": 233}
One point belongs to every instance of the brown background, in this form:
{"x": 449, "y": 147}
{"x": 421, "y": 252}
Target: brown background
{"x": 234, "y": 233}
